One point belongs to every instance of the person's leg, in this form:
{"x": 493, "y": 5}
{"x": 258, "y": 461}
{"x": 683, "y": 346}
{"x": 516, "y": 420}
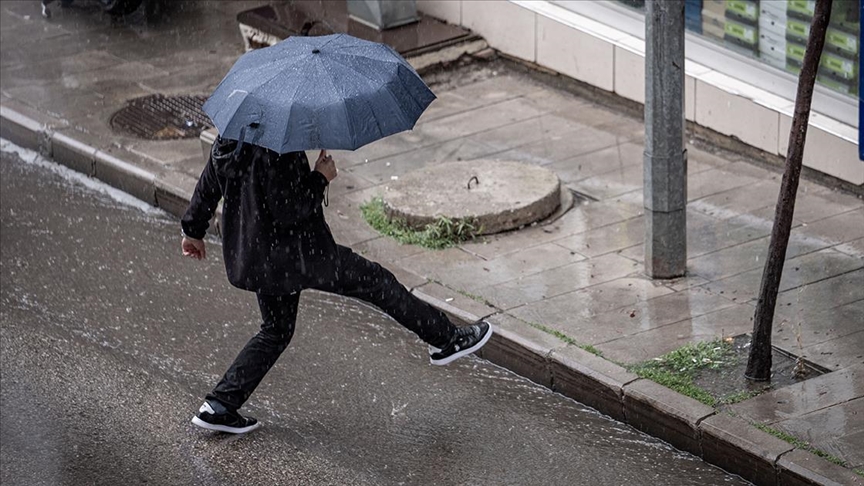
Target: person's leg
{"x": 372, "y": 283}
{"x": 278, "y": 314}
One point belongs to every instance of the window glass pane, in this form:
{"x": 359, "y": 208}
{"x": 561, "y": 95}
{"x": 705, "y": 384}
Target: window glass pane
{"x": 775, "y": 32}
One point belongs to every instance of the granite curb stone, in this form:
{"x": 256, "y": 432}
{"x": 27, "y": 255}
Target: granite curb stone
{"x": 517, "y": 346}
{"x": 74, "y": 154}
{"x": 734, "y": 444}
{"x": 521, "y": 349}
{"x": 590, "y": 379}
{"x": 661, "y": 412}
{"x": 19, "y": 129}
{"x": 798, "y": 468}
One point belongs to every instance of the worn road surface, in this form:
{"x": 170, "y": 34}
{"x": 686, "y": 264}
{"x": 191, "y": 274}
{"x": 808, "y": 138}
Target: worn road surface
{"x": 109, "y": 339}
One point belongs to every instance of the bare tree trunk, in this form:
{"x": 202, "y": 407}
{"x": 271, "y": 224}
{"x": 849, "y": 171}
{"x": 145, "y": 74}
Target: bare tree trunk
{"x": 759, "y": 362}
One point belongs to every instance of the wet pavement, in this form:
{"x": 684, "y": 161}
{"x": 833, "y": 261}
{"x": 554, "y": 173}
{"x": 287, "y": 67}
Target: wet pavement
{"x": 110, "y": 338}
{"x": 581, "y": 276}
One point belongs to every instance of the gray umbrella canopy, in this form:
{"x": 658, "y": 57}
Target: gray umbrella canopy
{"x": 327, "y": 92}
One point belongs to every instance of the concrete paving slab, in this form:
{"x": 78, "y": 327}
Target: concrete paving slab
{"x": 56, "y": 98}
{"x": 706, "y": 234}
{"x": 795, "y": 328}
{"x": 469, "y": 303}
{"x": 473, "y": 276}
{"x": 739, "y": 200}
{"x": 606, "y": 239}
{"x": 170, "y": 152}
{"x": 626, "y": 128}
{"x": 557, "y": 147}
{"x": 813, "y": 206}
{"x": 837, "y": 430}
{"x": 854, "y": 248}
{"x": 613, "y": 158}
{"x": 838, "y": 229}
{"x": 839, "y": 353}
{"x": 804, "y": 397}
{"x": 746, "y": 256}
{"x": 574, "y": 311}
{"x": 496, "y": 89}
{"x": 829, "y": 293}
{"x": 546, "y": 129}
{"x": 635, "y": 346}
{"x": 611, "y": 184}
{"x": 558, "y": 101}
{"x": 557, "y": 281}
{"x": 583, "y": 216}
{"x": 480, "y": 120}
{"x": 715, "y": 181}
{"x": 489, "y": 246}
{"x": 435, "y": 264}
{"x": 69, "y": 69}
{"x": 685, "y": 283}
{"x": 386, "y": 249}
{"x": 398, "y": 144}
{"x": 348, "y": 182}
{"x": 797, "y": 272}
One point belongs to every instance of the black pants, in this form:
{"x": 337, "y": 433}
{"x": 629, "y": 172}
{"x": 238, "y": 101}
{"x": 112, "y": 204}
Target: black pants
{"x": 359, "y": 278}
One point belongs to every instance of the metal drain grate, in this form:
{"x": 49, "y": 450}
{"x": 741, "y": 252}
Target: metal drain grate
{"x": 160, "y": 117}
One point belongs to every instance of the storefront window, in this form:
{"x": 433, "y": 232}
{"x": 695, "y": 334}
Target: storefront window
{"x": 775, "y": 32}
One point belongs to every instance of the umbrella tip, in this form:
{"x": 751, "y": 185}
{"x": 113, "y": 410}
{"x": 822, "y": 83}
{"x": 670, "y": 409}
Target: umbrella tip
{"x": 315, "y": 51}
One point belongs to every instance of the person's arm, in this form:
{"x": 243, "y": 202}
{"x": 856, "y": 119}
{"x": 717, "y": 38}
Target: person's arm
{"x": 297, "y": 193}
{"x": 201, "y": 208}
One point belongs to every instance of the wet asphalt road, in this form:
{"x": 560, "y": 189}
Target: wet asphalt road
{"x": 109, "y": 339}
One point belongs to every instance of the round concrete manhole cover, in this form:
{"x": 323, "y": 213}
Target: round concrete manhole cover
{"x": 161, "y": 117}
{"x": 496, "y": 195}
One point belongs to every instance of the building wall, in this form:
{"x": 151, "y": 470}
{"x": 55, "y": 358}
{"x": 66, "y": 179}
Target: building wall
{"x": 575, "y": 46}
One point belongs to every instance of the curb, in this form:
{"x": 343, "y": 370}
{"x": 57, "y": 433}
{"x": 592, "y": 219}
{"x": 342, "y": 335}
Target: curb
{"x": 720, "y": 439}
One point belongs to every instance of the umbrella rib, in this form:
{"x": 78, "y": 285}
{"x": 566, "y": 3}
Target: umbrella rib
{"x": 386, "y": 86}
{"x": 344, "y": 108}
{"x": 373, "y": 83}
{"x": 290, "y": 109}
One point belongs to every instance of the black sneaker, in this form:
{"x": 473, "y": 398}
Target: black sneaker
{"x": 466, "y": 340}
{"x": 214, "y": 416}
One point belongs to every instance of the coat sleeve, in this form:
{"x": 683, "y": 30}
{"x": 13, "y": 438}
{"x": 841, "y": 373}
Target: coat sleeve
{"x": 206, "y": 197}
{"x": 296, "y": 193}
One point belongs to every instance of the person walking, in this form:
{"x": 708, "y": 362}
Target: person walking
{"x": 277, "y": 243}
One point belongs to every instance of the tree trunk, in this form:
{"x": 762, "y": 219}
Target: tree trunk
{"x": 759, "y": 362}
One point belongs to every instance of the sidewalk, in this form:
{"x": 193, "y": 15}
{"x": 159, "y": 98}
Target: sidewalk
{"x": 553, "y": 291}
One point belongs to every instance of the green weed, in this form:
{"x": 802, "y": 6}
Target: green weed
{"x": 567, "y": 339}
{"x": 677, "y": 369}
{"x": 801, "y": 444}
{"x": 443, "y": 233}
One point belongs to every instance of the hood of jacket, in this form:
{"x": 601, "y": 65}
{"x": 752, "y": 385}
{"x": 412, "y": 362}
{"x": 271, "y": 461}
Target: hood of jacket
{"x": 232, "y": 158}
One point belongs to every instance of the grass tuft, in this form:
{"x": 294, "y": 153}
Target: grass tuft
{"x": 443, "y": 233}
{"x": 567, "y": 339}
{"x": 740, "y": 396}
{"x": 801, "y": 444}
{"x": 677, "y": 369}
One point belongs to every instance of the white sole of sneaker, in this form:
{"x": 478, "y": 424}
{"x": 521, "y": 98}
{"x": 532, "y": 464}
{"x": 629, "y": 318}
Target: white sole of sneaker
{"x": 464, "y": 352}
{"x": 223, "y": 428}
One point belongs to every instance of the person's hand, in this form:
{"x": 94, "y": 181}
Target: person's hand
{"x": 193, "y": 248}
{"x": 326, "y": 166}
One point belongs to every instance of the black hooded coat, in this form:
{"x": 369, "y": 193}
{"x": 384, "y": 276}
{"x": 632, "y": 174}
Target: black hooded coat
{"x": 275, "y": 240}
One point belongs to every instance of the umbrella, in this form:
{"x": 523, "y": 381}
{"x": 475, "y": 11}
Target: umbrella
{"x": 327, "y": 92}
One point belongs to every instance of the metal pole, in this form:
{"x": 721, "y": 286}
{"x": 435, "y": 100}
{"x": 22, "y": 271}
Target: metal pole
{"x": 665, "y": 160}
